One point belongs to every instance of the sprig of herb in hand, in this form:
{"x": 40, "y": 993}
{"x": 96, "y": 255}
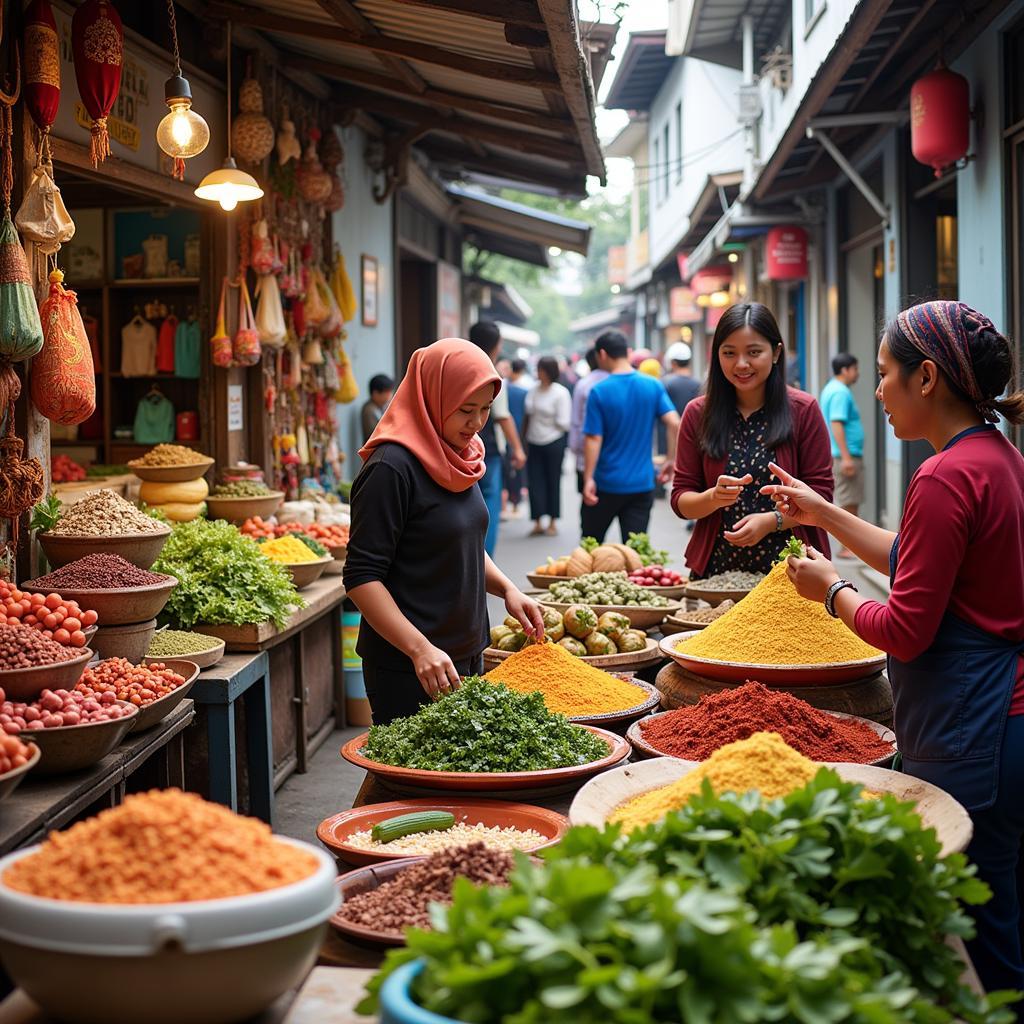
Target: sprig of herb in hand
{"x": 793, "y": 547}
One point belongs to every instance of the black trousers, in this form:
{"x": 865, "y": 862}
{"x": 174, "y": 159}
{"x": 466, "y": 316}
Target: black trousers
{"x": 397, "y": 693}
{"x": 513, "y": 480}
{"x": 633, "y": 512}
{"x": 544, "y": 477}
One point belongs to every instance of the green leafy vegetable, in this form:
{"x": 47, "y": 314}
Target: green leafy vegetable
{"x": 589, "y": 544}
{"x": 649, "y": 555}
{"x": 484, "y": 727}
{"x": 223, "y": 579}
{"x": 45, "y": 514}
{"x": 793, "y": 547}
{"x": 156, "y": 512}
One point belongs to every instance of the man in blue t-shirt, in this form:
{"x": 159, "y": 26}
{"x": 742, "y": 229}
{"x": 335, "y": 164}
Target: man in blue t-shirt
{"x": 618, "y": 470}
{"x": 839, "y": 408}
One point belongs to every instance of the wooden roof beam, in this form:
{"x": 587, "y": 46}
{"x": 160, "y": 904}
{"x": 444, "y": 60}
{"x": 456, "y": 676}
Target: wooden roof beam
{"x": 508, "y": 12}
{"x": 381, "y": 44}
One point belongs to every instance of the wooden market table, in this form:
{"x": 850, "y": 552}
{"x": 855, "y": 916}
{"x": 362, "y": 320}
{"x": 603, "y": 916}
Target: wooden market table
{"x": 38, "y": 806}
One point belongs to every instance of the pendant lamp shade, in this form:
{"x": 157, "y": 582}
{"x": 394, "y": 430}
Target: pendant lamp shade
{"x": 229, "y": 186}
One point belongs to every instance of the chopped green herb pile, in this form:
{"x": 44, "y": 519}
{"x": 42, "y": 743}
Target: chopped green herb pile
{"x": 816, "y": 908}
{"x": 649, "y": 555}
{"x": 222, "y": 578}
{"x": 484, "y": 727}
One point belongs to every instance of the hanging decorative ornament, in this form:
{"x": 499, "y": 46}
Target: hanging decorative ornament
{"x": 336, "y": 200}
{"x": 97, "y": 41}
{"x": 315, "y": 184}
{"x": 252, "y": 135}
{"x": 332, "y": 154}
{"x": 182, "y": 133}
{"x": 42, "y": 217}
{"x": 42, "y": 64}
{"x": 288, "y": 146}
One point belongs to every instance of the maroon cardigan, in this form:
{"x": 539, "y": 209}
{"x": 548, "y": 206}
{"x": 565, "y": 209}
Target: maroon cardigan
{"x": 807, "y": 455}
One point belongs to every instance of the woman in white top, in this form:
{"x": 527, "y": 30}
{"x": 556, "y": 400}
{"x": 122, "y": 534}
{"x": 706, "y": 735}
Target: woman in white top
{"x": 548, "y": 412}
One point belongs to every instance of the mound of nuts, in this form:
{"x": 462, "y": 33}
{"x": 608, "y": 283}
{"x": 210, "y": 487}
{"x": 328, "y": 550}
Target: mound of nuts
{"x": 25, "y": 647}
{"x": 138, "y": 684}
{"x": 53, "y": 709}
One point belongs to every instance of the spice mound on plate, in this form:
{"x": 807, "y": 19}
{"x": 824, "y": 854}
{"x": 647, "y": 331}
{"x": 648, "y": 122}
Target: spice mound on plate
{"x": 484, "y": 727}
{"x": 25, "y": 647}
{"x": 163, "y": 846}
{"x": 694, "y": 733}
{"x": 170, "y": 455}
{"x": 179, "y": 643}
{"x": 98, "y": 572}
{"x": 288, "y": 549}
{"x": 404, "y": 900}
{"x": 138, "y": 684}
{"x": 732, "y": 580}
{"x": 104, "y": 514}
{"x": 764, "y": 762}
{"x": 709, "y": 614}
{"x": 569, "y": 686}
{"x": 774, "y": 625}
{"x": 241, "y": 489}
{"x": 460, "y": 834}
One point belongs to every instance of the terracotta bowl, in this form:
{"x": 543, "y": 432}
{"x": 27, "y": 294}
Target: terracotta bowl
{"x": 618, "y": 751}
{"x": 171, "y": 474}
{"x": 713, "y": 597}
{"x": 70, "y": 748}
{"x": 141, "y": 549}
{"x": 828, "y": 674}
{"x": 10, "y": 781}
{"x": 617, "y": 719}
{"x": 305, "y": 573}
{"x": 628, "y": 661}
{"x": 203, "y": 659}
{"x": 543, "y": 581}
{"x": 639, "y": 618}
{"x": 334, "y": 831}
{"x": 237, "y": 510}
{"x": 121, "y": 606}
{"x": 130, "y": 642}
{"x": 155, "y": 713}
{"x": 361, "y": 880}
{"x": 27, "y": 683}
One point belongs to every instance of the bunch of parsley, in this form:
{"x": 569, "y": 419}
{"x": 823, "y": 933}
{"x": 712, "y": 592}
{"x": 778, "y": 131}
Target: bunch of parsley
{"x": 223, "y": 579}
{"x": 484, "y": 727}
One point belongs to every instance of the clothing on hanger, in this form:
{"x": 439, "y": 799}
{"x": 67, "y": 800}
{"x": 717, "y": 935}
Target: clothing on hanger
{"x": 138, "y": 348}
{"x": 165, "y": 345}
{"x": 188, "y": 346}
{"x": 154, "y": 419}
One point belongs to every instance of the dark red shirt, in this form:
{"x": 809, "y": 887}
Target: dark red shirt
{"x": 961, "y": 549}
{"x": 807, "y": 455}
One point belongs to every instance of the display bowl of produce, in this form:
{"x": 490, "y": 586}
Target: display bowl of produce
{"x": 690, "y": 619}
{"x": 351, "y": 836}
{"x": 189, "y": 467}
{"x": 141, "y": 549}
{"x": 70, "y": 748}
{"x": 650, "y": 654}
{"x": 202, "y": 650}
{"x": 117, "y": 606}
{"x": 659, "y": 580}
{"x": 196, "y": 959}
{"x": 154, "y": 712}
{"x": 130, "y": 642}
{"x": 724, "y": 586}
{"x": 17, "y": 759}
{"x": 598, "y": 798}
{"x": 639, "y": 617}
{"x": 305, "y": 573}
{"x": 238, "y": 509}
{"x": 542, "y": 581}
{"x": 27, "y": 683}
{"x": 813, "y": 674}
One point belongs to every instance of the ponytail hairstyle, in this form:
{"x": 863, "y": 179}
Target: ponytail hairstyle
{"x": 720, "y": 400}
{"x": 975, "y": 359}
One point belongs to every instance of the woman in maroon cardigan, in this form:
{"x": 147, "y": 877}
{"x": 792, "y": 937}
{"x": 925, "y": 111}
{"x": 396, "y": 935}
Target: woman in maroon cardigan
{"x": 747, "y": 419}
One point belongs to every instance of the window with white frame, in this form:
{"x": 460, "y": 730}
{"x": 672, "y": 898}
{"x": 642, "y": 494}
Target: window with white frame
{"x": 679, "y": 142}
{"x": 668, "y": 162}
{"x": 812, "y": 11}
{"x": 654, "y": 172}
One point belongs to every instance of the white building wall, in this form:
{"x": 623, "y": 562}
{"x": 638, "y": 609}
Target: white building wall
{"x": 711, "y": 143}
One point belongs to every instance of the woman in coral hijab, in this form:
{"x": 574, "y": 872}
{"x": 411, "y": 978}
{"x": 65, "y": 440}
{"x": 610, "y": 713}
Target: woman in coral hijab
{"x": 416, "y": 565}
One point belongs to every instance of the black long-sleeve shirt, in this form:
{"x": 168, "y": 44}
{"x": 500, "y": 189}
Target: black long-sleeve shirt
{"x": 426, "y": 545}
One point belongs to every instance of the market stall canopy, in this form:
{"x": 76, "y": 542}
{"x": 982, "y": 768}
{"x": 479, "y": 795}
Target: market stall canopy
{"x": 643, "y": 69}
{"x": 497, "y": 87}
{"x": 513, "y": 229}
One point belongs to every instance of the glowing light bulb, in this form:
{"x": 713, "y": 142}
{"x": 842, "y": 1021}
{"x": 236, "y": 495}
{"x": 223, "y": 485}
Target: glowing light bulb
{"x": 181, "y": 133}
{"x": 228, "y": 202}
{"x": 229, "y": 186}
{"x": 181, "y": 130}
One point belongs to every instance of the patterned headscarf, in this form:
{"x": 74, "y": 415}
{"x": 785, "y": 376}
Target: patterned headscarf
{"x": 943, "y": 331}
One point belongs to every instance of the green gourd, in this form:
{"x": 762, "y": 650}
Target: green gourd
{"x": 406, "y": 824}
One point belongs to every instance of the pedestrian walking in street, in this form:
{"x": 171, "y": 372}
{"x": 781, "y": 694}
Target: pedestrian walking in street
{"x": 499, "y": 428}
{"x": 618, "y": 470}
{"x": 513, "y": 477}
{"x": 548, "y": 414}
{"x": 839, "y": 408}
{"x": 953, "y": 623}
{"x": 416, "y": 566}
{"x": 680, "y": 383}
{"x": 382, "y": 387}
{"x": 580, "y": 394}
{"x": 746, "y": 419}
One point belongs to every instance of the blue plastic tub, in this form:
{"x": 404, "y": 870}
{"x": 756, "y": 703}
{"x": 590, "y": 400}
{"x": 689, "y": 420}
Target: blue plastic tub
{"x": 396, "y": 1003}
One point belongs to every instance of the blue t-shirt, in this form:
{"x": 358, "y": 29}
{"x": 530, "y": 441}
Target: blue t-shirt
{"x": 837, "y": 404}
{"x": 517, "y": 404}
{"x": 623, "y": 409}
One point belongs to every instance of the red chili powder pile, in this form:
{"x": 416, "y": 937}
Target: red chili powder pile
{"x": 694, "y": 733}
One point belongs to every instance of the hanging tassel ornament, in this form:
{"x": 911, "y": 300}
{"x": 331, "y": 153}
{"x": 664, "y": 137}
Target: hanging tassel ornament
{"x": 97, "y": 42}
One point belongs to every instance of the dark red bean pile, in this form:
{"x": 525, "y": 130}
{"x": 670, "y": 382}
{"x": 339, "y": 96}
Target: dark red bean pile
{"x": 402, "y": 901}
{"x": 25, "y": 647}
{"x": 97, "y": 572}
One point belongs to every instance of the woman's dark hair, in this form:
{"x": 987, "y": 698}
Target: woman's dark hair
{"x": 720, "y": 403}
{"x": 994, "y": 370}
{"x": 548, "y": 365}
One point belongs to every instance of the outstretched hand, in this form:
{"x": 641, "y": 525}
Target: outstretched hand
{"x": 812, "y": 575}
{"x": 794, "y": 498}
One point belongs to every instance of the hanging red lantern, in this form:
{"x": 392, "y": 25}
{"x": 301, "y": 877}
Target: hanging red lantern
{"x": 97, "y": 41}
{"x": 940, "y": 119}
{"x": 41, "y": 81}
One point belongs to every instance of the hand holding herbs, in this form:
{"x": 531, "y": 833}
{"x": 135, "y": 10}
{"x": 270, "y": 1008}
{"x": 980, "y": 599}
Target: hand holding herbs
{"x": 818, "y": 908}
{"x": 483, "y": 727}
{"x": 223, "y": 578}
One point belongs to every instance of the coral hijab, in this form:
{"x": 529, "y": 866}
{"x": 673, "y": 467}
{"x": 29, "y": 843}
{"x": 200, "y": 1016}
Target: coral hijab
{"x": 439, "y": 379}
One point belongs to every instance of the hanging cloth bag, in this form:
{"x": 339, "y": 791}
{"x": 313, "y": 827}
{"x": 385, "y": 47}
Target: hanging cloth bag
{"x": 316, "y": 309}
{"x": 63, "y": 378}
{"x": 220, "y": 344}
{"x": 269, "y": 312}
{"x": 97, "y": 42}
{"x": 348, "y": 390}
{"x": 341, "y": 286}
{"x": 330, "y": 327}
{"x": 42, "y": 217}
{"x": 247, "y": 349}
{"x": 21, "y": 334}
{"x": 262, "y": 251}
{"x": 41, "y": 86}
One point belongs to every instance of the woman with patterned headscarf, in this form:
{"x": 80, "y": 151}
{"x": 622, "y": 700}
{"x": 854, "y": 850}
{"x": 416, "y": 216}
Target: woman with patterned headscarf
{"x": 953, "y": 625}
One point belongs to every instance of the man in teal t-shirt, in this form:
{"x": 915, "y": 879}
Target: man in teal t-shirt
{"x": 839, "y": 408}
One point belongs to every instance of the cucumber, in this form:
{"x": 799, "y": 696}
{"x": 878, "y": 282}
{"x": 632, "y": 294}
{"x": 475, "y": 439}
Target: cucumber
{"x": 406, "y": 824}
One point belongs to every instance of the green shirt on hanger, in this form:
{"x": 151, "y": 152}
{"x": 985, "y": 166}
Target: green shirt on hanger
{"x": 188, "y": 344}
{"x": 154, "y": 420}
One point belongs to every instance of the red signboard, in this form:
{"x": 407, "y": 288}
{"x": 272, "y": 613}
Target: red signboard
{"x": 617, "y": 264}
{"x": 712, "y": 279}
{"x": 786, "y": 254}
{"x": 681, "y": 307}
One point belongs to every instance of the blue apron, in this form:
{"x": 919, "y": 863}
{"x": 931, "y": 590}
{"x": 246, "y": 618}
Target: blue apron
{"x": 950, "y": 704}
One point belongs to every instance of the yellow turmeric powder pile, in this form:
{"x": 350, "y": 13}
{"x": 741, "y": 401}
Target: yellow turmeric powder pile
{"x": 288, "y": 549}
{"x": 774, "y": 625}
{"x": 569, "y": 686}
{"x": 764, "y": 762}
